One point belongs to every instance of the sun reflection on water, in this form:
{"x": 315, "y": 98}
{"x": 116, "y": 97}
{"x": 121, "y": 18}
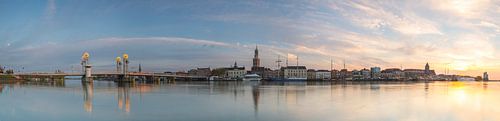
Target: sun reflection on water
{"x": 457, "y": 92}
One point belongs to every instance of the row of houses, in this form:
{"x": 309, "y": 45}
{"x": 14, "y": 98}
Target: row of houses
{"x": 302, "y": 73}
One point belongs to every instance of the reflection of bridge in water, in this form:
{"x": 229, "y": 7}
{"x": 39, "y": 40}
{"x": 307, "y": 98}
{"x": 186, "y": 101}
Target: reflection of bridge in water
{"x": 123, "y": 98}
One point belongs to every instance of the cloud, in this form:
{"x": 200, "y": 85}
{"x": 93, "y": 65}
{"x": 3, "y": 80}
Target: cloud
{"x": 462, "y": 8}
{"x": 291, "y": 56}
{"x": 375, "y": 16}
{"x": 365, "y": 33}
{"x": 156, "y": 52}
{"x": 158, "y": 40}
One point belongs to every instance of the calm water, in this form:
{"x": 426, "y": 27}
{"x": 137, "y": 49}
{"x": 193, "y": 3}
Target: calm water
{"x": 73, "y": 100}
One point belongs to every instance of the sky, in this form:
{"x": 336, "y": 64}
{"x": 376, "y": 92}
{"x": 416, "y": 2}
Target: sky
{"x": 177, "y": 35}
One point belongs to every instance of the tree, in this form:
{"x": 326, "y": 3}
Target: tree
{"x": 10, "y": 71}
{"x": 219, "y": 72}
{"x": 479, "y": 78}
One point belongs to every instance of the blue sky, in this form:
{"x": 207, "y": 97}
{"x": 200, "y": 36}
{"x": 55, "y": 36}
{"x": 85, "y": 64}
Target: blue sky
{"x": 171, "y": 35}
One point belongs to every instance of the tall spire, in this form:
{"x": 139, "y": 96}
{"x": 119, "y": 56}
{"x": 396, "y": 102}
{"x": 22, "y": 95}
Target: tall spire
{"x": 427, "y": 68}
{"x": 140, "y": 68}
{"x": 256, "y": 54}
{"x": 256, "y": 59}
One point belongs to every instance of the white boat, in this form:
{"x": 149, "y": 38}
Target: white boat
{"x": 466, "y": 79}
{"x": 252, "y": 77}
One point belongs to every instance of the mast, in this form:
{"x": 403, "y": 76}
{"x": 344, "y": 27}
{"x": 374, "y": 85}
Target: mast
{"x": 287, "y": 60}
{"x": 344, "y": 64}
{"x": 297, "y": 66}
{"x": 279, "y": 61}
{"x": 331, "y": 64}
{"x": 297, "y": 61}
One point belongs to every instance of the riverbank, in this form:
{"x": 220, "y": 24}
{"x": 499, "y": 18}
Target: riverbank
{"x": 5, "y": 78}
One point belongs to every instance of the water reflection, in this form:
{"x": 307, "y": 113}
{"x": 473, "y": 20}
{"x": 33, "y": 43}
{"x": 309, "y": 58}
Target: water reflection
{"x": 123, "y": 94}
{"x": 485, "y": 85}
{"x": 1, "y": 88}
{"x": 255, "y": 101}
{"x": 426, "y": 86}
{"x": 255, "y": 97}
{"x": 88, "y": 95}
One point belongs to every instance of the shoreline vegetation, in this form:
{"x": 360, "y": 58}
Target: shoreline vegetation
{"x": 7, "y": 77}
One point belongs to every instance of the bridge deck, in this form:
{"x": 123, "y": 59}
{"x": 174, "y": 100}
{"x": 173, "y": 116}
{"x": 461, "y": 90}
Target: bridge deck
{"x": 107, "y": 74}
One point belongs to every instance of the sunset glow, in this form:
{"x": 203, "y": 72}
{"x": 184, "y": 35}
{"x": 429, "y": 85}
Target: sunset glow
{"x": 456, "y": 35}
{"x": 250, "y": 60}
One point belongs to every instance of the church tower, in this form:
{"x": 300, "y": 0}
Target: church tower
{"x": 256, "y": 59}
{"x": 427, "y": 69}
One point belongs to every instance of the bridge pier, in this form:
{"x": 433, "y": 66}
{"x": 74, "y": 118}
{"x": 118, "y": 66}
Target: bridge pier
{"x": 88, "y": 74}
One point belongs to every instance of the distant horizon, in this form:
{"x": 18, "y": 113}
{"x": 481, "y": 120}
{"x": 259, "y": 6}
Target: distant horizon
{"x": 180, "y": 35}
{"x": 134, "y": 68}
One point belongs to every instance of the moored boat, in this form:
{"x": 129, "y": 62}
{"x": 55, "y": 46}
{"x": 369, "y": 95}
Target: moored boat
{"x": 252, "y": 77}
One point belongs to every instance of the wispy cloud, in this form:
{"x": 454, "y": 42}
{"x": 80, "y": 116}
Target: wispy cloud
{"x": 463, "y": 8}
{"x": 157, "y": 40}
{"x": 365, "y": 33}
{"x": 156, "y": 50}
{"x": 375, "y": 16}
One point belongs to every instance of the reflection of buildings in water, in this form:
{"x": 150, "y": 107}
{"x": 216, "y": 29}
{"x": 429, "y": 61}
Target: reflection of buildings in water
{"x": 237, "y": 90}
{"x": 123, "y": 94}
{"x": 88, "y": 94}
{"x": 293, "y": 94}
{"x": 426, "y": 86}
{"x": 374, "y": 86}
{"x": 1, "y": 88}
{"x": 256, "y": 97}
{"x": 485, "y": 85}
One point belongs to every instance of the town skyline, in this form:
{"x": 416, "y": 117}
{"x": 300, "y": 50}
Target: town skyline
{"x": 50, "y": 35}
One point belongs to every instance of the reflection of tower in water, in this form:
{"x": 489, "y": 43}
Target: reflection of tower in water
{"x": 123, "y": 94}
{"x": 426, "y": 86}
{"x": 256, "y": 97}
{"x": 485, "y": 85}
{"x": 88, "y": 95}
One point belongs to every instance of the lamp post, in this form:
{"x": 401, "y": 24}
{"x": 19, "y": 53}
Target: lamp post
{"x": 118, "y": 64}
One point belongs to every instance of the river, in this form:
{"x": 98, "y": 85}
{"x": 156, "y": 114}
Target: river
{"x": 72, "y": 100}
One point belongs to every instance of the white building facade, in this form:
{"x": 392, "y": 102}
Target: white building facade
{"x": 295, "y": 72}
{"x": 235, "y": 72}
{"x": 323, "y": 75}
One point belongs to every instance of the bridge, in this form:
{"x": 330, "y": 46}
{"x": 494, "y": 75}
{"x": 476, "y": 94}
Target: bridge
{"x": 110, "y": 76}
{"x": 121, "y": 74}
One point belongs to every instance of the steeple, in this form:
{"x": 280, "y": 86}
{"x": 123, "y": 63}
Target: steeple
{"x": 256, "y": 54}
{"x": 140, "y": 68}
{"x": 427, "y": 68}
{"x": 256, "y": 59}
{"x": 235, "y": 64}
